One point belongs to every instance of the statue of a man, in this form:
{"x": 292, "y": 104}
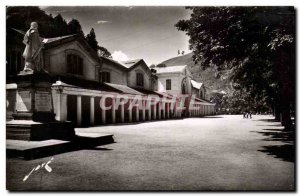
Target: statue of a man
{"x": 33, "y": 50}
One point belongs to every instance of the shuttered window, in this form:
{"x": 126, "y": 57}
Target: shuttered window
{"x": 168, "y": 84}
{"x": 140, "y": 79}
{"x": 75, "y": 64}
{"x": 104, "y": 76}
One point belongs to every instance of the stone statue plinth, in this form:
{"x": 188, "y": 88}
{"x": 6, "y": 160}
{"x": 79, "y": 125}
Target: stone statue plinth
{"x": 34, "y": 98}
{"x": 34, "y": 117}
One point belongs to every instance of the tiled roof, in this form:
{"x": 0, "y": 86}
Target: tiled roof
{"x": 170, "y": 69}
{"x": 196, "y": 85}
{"x": 72, "y": 81}
{"x": 146, "y": 92}
{"x": 202, "y": 100}
{"x": 114, "y": 62}
{"x": 219, "y": 92}
{"x": 57, "y": 41}
{"x": 130, "y": 63}
{"x": 50, "y": 40}
{"x": 124, "y": 89}
{"x": 165, "y": 94}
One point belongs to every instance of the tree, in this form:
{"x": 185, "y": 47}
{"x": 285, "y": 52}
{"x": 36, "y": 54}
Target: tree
{"x": 74, "y": 27}
{"x": 91, "y": 39}
{"x": 60, "y": 26}
{"x": 103, "y": 52}
{"x": 20, "y": 18}
{"x": 256, "y": 43}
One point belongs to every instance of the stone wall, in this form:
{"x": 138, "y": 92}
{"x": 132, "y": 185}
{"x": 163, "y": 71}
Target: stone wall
{"x": 56, "y": 60}
{"x": 131, "y": 79}
{"x": 117, "y": 75}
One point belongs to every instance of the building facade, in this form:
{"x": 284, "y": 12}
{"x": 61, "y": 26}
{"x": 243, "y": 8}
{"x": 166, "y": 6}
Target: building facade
{"x": 83, "y": 81}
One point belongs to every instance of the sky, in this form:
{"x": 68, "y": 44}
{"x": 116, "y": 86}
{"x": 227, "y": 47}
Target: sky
{"x": 132, "y": 32}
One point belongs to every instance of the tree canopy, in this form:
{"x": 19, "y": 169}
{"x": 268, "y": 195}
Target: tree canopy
{"x": 257, "y": 44}
{"x": 91, "y": 39}
{"x": 20, "y": 17}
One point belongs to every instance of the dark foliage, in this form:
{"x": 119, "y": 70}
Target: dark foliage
{"x": 257, "y": 44}
{"x": 91, "y": 39}
{"x": 20, "y": 18}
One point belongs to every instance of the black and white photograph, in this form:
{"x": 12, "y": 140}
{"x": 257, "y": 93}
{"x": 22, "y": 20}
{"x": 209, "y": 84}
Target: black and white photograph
{"x": 150, "y": 98}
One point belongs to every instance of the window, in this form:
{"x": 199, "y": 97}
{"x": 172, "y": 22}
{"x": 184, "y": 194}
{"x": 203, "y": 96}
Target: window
{"x": 104, "y": 76}
{"x": 168, "y": 84}
{"x": 75, "y": 65}
{"x": 183, "y": 86}
{"x": 140, "y": 79}
{"x": 201, "y": 95}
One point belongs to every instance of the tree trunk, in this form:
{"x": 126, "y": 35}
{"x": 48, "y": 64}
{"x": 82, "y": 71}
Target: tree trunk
{"x": 277, "y": 112}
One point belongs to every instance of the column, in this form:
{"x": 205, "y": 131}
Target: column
{"x": 113, "y": 111}
{"x": 137, "y": 112}
{"x": 92, "y": 111}
{"x": 154, "y": 111}
{"x": 159, "y": 110}
{"x": 129, "y": 111}
{"x": 79, "y": 118}
{"x": 144, "y": 110}
{"x": 180, "y": 110}
{"x": 168, "y": 110}
{"x": 164, "y": 109}
{"x": 103, "y": 112}
{"x": 171, "y": 110}
{"x": 62, "y": 111}
{"x": 122, "y": 113}
{"x": 175, "y": 110}
{"x": 149, "y": 109}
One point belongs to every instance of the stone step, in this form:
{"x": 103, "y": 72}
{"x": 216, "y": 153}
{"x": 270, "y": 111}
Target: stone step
{"x": 37, "y": 149}
{"x": 35, "y": 131}
{"x": 18, "y": 136}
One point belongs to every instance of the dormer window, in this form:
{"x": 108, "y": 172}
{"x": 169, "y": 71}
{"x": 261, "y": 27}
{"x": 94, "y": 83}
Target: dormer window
{"x": 75, "y": 64}
{"x": 140, "y": 79}
{"x": 104, "y": 76}
{"x": 201, "y": 95}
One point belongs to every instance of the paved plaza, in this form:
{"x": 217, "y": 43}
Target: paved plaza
{"x": 211, "y": 153}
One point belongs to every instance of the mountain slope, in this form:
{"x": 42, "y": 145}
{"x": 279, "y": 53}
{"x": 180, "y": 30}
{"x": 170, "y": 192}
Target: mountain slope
{"x": 208, "y": 76}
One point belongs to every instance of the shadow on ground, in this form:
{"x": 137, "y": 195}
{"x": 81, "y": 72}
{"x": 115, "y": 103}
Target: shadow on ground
{"x": 79, "y": 143}
{"x": 212, "y": 117}
{"x": 285, "y": 152}
{"x": 266, "y": 120}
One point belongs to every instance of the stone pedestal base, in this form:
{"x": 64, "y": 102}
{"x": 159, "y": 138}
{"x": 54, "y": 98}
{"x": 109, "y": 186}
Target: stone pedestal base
{"x": 36, "y": 131}
{"x": 34, "y": 117}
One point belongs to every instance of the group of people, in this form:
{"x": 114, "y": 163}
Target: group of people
{"x": 247, "y": 114}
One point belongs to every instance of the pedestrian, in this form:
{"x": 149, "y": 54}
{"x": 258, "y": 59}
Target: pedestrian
{"x": 244, "y": 114}
{"x": 250, "y": 114}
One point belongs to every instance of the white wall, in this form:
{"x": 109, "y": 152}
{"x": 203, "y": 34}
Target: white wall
{"x": 56, "y": 60}
{"x": 117, "y": 76}
{"x": 176, "y": 80}
{"x": 131, "y": 78}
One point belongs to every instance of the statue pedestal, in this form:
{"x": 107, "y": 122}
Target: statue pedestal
{"x": 34, "y": 117}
